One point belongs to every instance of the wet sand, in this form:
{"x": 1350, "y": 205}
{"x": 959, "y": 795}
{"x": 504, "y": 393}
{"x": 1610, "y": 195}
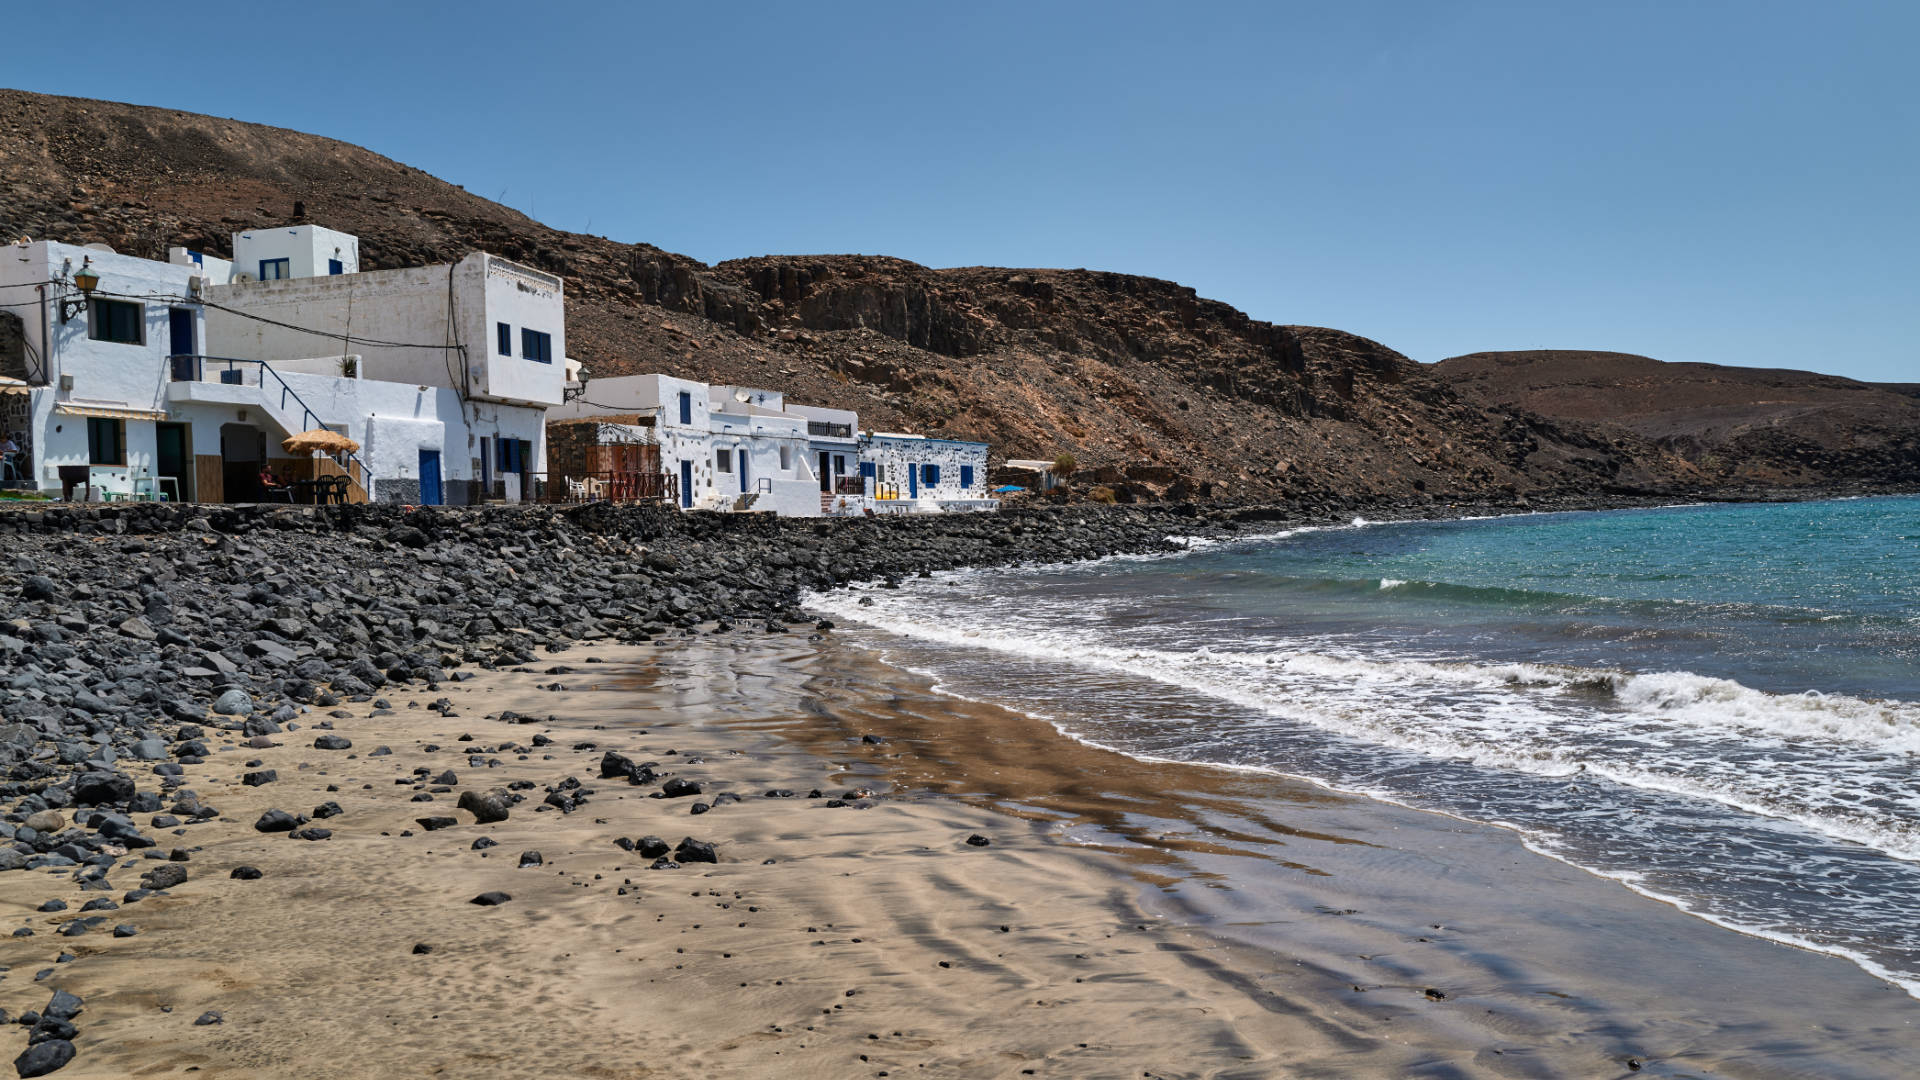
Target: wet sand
{"x": 1126, "y": 920}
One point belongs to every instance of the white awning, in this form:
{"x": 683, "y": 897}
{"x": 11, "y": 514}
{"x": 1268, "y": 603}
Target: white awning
{"x": 109, "y": 412}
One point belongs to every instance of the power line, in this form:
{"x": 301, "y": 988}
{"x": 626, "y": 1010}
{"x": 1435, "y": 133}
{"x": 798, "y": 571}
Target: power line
{"x": 349, "y": 339}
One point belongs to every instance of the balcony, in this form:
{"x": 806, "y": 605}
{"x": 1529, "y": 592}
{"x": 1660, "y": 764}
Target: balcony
{"x": 819, "y": 429}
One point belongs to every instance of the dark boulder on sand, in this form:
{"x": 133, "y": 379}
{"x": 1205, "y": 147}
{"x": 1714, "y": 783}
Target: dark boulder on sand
{"x": 486, "y": 807}
{"x": 43, "y": 1058}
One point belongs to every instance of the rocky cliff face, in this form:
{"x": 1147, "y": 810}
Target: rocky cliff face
{"x": 1155, "y": 389}
{"x": 1731, "y": 427}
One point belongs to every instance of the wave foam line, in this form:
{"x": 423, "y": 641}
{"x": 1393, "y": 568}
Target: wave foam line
{"x": 1697, "y": 702}
{"x": 1534, "y": 841}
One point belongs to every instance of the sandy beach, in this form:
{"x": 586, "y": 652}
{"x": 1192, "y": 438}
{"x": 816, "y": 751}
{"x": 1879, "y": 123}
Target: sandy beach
{"x": 1123, "y": 920}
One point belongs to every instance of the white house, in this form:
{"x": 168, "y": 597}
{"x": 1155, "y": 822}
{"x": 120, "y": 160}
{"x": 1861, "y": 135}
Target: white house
{"x": 297, "y": 251}
{"x": 95, "y": 364}
{"x": 726, "y": 447}
{"x": 145, "y": 378}
{"x": 919, "y": 474}
{"x": 833, "y": 447}
{"x": 481, "y": 345}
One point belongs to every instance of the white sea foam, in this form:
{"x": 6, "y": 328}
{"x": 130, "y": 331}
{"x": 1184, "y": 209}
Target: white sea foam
{"x": 1392, "y": 582}
{"x": 1543, "y": 844}
{"x": 1653, "y": 731}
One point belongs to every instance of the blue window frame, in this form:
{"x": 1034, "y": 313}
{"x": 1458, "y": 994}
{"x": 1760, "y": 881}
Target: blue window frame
{"x": 686, "y": 407}
{"x": 536, "y": 346}
{"x": 866, "y": 469}
{"x": 513, "y": 454}
{"x": 505, "y": 334}
{"x": 335, "y": 266}
{"x": 930, "y": 475}
{"x": 275, "y": 269}
{"x": 966, "y": 476}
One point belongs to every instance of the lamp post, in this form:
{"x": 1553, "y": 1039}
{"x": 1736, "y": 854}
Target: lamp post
{"x": 86, "y": 279}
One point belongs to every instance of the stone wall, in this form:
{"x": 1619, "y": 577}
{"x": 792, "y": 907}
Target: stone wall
{"x": 13, "y": 346}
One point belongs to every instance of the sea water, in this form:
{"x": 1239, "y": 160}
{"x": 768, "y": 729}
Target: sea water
{"x": 1718, "y": 705}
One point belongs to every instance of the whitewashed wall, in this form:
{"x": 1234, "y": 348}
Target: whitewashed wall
{"x": 893, "y": 455}
{"x": 410, "y": 307}
{"x": 305, "y": 247}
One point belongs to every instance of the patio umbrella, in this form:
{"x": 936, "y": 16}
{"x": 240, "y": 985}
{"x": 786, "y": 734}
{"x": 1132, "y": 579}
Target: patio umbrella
{"x": 320, "y": 439}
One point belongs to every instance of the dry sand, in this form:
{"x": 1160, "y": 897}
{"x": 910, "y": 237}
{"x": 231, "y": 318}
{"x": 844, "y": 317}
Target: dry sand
{"x": 1126, "y": 921}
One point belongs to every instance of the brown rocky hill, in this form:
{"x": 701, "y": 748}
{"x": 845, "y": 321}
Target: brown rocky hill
{"x": 1142, "y": 380}
{"x": 1737, "y": 426}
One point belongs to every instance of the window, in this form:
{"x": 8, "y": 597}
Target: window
{"x": 786, "y": 458}
{"x": 536, "y": 346}
{"x": 504, "y": 334}
{"x": 839, "y": 464}
{"x": 275, "y": 269}
{"x": 106, "y": 442}
{"x": 117, "y": 321}
{"x": 966, "y": 476}
{"x": 723, "y": 460}
{"x": 867, "y": 470}
{"x": 511, "y": 455}
{"x": 686, "y": 407}
{"x": 930, "y": 475}
{"x": 335, "y": 266}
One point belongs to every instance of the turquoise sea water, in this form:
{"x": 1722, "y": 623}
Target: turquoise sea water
{"x": 1719, "y": 705}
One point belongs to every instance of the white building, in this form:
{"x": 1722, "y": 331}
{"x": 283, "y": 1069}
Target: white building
{"x": 727, "y": 447}
{"x": 481, "y": 343}
{"x": 96, "y": 368}
{"x": 298, "y": 251}
{"x": 919, "y": 474}
{"x": 833, "y": 447}
{"x": 157, "y": 383}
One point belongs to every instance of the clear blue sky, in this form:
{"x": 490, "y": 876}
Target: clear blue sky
{"x": 1725, "y": 182}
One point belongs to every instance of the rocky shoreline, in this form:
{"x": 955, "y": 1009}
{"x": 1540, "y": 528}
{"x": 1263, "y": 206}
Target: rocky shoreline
{"x": 141, "y": 641}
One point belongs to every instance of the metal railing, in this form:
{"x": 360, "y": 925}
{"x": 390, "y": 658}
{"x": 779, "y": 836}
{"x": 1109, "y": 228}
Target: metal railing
{"x": 849, "y": 485}
{"x": 191, "y": 367}
{"x": 609, "y": 486}
{"x": 832, "y": 431}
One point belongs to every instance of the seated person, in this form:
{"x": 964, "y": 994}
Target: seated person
{"x": 270, "y": 483}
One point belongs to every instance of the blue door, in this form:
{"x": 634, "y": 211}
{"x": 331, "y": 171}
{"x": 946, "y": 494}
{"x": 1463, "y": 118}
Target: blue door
{"x": 180, "y": 332}
{"x": 913, "y": 480}
{"x": 740, "y": 465}
{"x": 429, "y": 478}
{"x": 966, "y": 476}
{"x": 686, "y": 484}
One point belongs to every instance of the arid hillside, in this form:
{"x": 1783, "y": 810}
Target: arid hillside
{"x": 1153, "y": 388}
{"x": 1742, "y": 426}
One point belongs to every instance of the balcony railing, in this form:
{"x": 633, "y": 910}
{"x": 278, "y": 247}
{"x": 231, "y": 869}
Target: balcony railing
{"x": 849, "y": 485}
{"x": 829, "y": 431}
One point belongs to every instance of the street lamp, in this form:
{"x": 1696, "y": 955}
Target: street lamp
{"x": 86, "y": 279}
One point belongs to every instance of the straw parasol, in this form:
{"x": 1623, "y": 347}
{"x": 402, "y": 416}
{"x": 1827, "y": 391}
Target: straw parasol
{"x": 320, "y": 439}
